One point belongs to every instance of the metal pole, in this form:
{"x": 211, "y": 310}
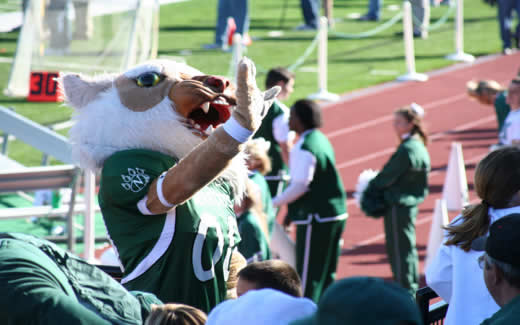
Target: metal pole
{"x": 322, "y": 93}
{"x": 459, "y": 54}
{"x": 409, "y": 52}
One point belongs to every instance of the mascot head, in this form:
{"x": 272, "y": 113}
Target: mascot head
{"x": 160, "y": 105}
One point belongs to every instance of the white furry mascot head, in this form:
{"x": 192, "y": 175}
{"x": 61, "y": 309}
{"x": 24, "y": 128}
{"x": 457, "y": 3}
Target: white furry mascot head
{"x": 160, "y": 105}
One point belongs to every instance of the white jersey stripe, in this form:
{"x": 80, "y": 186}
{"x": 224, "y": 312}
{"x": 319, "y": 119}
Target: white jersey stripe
{"x": 157, "y": 251}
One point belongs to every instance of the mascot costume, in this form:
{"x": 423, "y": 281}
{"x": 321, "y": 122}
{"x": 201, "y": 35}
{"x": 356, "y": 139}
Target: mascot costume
{"x": 168, "y": 140}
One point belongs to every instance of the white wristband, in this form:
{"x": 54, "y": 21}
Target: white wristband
{"x": 160, "y": 194}
{"x": 237, "y": 131}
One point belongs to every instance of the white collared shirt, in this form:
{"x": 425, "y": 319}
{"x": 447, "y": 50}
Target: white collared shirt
{"x": 302, "y": 165}
{"x": 456, "y": 277}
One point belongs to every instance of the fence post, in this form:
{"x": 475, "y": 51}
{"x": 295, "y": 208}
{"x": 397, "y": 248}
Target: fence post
{"x": 409, "y": 53}
{"x": 459, "y": 54}
{"x": 322, "y": 93}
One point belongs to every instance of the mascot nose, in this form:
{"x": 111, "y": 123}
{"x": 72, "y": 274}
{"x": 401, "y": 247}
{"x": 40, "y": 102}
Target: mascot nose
{"x": 218, "y": 83}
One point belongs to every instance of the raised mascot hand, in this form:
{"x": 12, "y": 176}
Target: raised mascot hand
{"x": 252, "y": 104}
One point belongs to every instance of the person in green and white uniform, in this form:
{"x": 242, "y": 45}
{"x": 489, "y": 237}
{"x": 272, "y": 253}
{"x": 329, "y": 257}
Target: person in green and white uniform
{"x": 403, "y": 183}
{"x": 274, "y": 127}
{"x": 252, "y": 226}
{"x": 200, "y": 230}
{"x": 259, "y": 164}
{"x": 44, "y": 284}
{"x": 316, "y": 200}
{"x": 510, "y": 134}
{"x": 169, "y": 140}
{"x": 490, "y": 92}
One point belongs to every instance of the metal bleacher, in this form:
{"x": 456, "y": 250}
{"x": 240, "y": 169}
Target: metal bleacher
{"x": 16, "y": 178}
{"x": 431, "y": 313}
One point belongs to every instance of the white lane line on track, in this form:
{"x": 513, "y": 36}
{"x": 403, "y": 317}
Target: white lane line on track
{"x": 389, "y": 117}
{"x": 438, "y": 135}
{"x": 396, "y": 84}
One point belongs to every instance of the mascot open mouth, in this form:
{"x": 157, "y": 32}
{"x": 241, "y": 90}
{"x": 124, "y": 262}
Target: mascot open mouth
{"x": 210, "y": 114}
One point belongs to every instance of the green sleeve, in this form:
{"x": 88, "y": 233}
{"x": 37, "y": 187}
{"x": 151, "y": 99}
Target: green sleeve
{"x": 398, "y": 164}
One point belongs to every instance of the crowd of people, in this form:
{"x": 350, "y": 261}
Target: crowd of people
{"x": 477, "y": 265}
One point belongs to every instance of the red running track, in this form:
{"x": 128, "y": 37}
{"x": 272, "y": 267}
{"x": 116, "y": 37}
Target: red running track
{"x": 360, "y": 129}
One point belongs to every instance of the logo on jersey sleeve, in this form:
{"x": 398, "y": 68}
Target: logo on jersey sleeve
{"x": 136, "y": 180}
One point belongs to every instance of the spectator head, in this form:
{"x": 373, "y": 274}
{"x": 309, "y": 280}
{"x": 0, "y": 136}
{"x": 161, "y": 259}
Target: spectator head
{"x": 274, "y": 274}
{"x": 264, "y": 306}
{"x": 364, "y": 300}
{"x": 257, "y": 157}
{"x": 305, "y": 115}
{"x": 513, "y": 94}
{"x": 280, "y": 77}
{"x": 238, "y": 262}
{"x": 175, "y": 314}
{"x": 408, "y": 119}
{"x": 484, "y": 91}
{"x": 497, "y": 183}
{"x": 501, "y": 261}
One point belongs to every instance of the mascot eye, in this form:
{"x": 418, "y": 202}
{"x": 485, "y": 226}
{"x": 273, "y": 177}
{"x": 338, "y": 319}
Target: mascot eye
{"x": 148, "y": 79}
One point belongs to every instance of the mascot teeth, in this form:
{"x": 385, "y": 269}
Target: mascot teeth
{"x": 220, "y": 101}
{"x": 205, "y": 107}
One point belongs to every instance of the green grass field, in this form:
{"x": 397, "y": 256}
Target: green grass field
{"x": 353, "y": 63}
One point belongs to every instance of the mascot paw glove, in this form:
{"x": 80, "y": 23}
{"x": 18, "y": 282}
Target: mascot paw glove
{"x": 252, "y": 104}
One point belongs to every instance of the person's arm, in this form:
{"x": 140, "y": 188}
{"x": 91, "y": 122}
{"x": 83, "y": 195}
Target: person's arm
{"x": 301, "y": 172}
{"x": 439, "y": 273}
{"x": 398, "y": 164}
{"x": 283, "y": 136}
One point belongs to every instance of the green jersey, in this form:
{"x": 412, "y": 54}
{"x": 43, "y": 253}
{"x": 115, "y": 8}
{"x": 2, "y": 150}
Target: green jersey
{"x": 326, "y": 195}
{"x": 44, "y": 284}
{"x": 254, "y": 245}
{"x": 267, "y": 200}
{"x": 404, "y": 178}
{"x": 183, "y": 255}
{"x": 275, "y": 152}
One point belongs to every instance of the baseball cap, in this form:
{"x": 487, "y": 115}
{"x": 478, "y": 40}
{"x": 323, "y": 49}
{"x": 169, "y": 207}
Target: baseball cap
{"x": 364, "y": 300}
{"x": 265, "y": 306}
{"x": 503, "y": 241}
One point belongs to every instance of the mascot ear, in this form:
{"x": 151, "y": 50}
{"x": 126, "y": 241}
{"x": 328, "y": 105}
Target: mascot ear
{"x": 78, "y": 91}
{"x": 269, "y": 97}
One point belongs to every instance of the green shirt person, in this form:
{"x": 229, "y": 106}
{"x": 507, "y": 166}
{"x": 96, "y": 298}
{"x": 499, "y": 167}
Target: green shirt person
{"x": 490, "y": 92}
{"x": 192, "y": 242}
{"x": 275, "y": 128}
{"x": 42, "y": 283}
{"x": 259, "y": 164}
{"x": 252, "y": 225}
{"x": 316, "y": 200}
{"x": 402, "y": 184}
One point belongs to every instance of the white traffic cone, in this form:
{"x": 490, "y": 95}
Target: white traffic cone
{"x": 440, "y": 219}
{"x": 455, "y": 190}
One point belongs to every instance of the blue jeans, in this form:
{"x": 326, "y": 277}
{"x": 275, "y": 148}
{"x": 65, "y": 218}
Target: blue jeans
{"x": 239, "y": 10}
{"x": 374, "y": 9}
{"x": 311, "y": 12}
{"x": 505, "y": 20}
